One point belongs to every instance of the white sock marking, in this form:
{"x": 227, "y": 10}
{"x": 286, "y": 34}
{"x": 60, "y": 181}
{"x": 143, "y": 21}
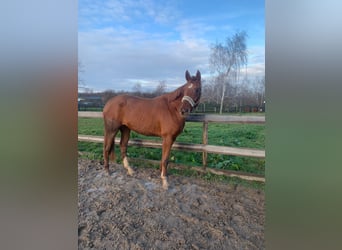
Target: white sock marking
{"x": 126, "y": 165}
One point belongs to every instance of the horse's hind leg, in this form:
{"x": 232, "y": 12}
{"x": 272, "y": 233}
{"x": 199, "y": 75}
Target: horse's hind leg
{"x": 108, "y": 149}
{"x": 125, "y": 134}
{"x": 109, "y": 143}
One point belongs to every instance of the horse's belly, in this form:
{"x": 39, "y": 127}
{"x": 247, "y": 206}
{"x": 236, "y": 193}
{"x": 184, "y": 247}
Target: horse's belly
{"x": 147, "y": 133}
{"x": 144, "y": 127}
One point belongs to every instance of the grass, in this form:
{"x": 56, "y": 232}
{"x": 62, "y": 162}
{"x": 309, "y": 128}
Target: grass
{"x": 234, "y": 135}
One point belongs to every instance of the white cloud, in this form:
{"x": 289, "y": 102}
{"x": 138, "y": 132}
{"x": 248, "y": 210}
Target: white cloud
{"x": 112, "y": 57}
{"x": 117, "y": 51}
{"x": 256, "y": 61}
{"x": 94, "y": 13}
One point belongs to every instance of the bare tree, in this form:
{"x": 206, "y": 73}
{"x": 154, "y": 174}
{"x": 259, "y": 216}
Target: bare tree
{"x": 106, "y": 95}
{"x": 243, "y": 93}
{"x": 209, "y": 92}
{"x": 80, "y": 71}
{"x": 226, "y": 60}
{"x": 259, "y": 89}
{"x": 137, "y": 88}
{"x": 161, "y": 88}
{"x": 81, "y": 83}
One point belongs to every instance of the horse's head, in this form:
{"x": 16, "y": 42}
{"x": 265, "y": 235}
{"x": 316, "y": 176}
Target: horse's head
{"x": 192, "y": 92}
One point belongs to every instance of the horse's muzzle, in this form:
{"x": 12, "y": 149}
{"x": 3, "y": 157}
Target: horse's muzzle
{"x": 185, "y": 112}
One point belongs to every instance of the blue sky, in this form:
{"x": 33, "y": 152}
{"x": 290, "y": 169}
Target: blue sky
{"x": 122, "y": 43}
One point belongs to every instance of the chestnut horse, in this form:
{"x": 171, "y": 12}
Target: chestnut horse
{"x": 162, "y": 116}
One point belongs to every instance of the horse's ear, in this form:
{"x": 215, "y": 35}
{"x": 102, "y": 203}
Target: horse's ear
{"x": 187, "y": 76}
{"x": 198, "y": 75}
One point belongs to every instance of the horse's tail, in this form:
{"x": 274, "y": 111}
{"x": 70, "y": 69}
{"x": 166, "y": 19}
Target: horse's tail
{"x": 109, "y": 140}
{"x": 112, "y": 152}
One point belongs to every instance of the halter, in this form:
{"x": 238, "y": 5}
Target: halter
{"x": 189, "y": 100}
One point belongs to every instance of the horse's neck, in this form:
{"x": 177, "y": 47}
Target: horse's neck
{"x": 176, "y": 95}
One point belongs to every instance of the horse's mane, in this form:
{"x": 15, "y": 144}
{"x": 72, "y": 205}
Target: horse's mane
{"x": 176, "y": 94}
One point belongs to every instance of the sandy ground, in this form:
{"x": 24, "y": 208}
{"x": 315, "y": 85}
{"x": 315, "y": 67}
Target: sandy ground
{"x": 134, "y": 212}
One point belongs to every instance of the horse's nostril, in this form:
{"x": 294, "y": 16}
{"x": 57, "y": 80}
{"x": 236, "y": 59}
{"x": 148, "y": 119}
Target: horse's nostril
{"x": 185, "y": 111}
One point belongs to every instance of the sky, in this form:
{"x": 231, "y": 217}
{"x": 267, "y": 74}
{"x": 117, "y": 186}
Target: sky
{"x": 122, "y": 43}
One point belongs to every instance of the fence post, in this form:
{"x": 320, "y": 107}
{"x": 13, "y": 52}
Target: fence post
{"x": 205, "y": 142}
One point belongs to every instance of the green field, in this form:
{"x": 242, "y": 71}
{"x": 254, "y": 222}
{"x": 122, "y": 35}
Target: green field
{"x": 234, "y": 135}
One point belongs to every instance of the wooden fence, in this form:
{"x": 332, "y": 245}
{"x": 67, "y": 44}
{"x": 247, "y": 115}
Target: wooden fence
{"x": 204, "y": 147}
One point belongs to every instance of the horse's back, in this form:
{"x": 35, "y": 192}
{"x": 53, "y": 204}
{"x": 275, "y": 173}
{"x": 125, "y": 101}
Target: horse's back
{"x": 127, "y": 107}
{"x": 127, "y": 102}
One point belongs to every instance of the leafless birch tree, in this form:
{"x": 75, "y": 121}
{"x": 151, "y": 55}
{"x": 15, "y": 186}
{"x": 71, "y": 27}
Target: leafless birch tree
{"x": 226, "y": 60}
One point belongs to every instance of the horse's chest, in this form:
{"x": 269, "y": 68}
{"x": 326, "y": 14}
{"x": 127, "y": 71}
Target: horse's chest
{"x": 173, "y": 127}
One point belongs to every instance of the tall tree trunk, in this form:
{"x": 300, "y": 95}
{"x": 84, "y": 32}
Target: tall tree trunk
{"x": 240, "y": 105}
{"x": 222, "y": 97}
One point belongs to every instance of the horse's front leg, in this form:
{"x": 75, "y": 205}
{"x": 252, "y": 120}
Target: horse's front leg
{"x": 167, "y": 144}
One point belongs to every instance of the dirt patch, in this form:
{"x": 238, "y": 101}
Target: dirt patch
{"x": 124, "y": 212}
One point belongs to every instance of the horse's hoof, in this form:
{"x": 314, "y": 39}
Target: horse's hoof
{"x": 165, "y": 184}
{"x": 107, "y": 170}
{"x": 130, "y": 171}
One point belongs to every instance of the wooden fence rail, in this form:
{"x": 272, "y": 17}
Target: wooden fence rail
{"x": 184, "y": 146}
{"x": 199, "y": 118}
{"x": 204, "y": 147}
